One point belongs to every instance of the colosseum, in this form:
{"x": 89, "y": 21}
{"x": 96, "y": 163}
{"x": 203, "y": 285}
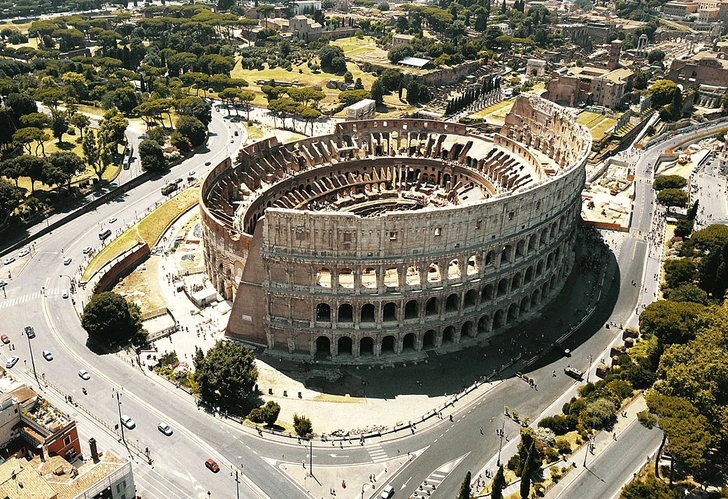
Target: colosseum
{"x": 391, "y": 237}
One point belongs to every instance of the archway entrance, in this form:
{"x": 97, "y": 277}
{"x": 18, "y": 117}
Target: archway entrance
{"x": 344, "y": 345}
{"x": 323, "y": 346}
{"x": 366, "y": 346}
{"x": 408, "y": 343}
{"x": 388, "y": 344}
{"x": 428, "y": 340}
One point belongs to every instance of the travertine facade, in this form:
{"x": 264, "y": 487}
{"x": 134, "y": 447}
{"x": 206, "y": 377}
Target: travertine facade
{"x": 391, "y": 236}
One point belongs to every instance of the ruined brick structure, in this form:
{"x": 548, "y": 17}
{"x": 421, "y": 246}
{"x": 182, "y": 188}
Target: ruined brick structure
{"x": 396, "y": 236}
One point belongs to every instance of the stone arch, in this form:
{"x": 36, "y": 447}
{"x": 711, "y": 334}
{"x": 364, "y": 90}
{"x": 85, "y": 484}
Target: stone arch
{"x": 532, "y": 243}
{"x": 521, "y": 248}
{"x": 535, "y": 297}
{"x": 346, "y": 313}
{"x": 366, "y": 346}
{"x": 452, "y": 304}
{"x": 346, "y": 278}
{"x": 529, "y": 275}
{"x": 432, "y": 307}
{"x": 525, "y": 305}
{"x": 471, "y": 299}
{"x": 412, "y": 277}
{"x": 489, "y": 257}
{"x": 502, "y": 287}
{"x": 448, "y": 335}
{"x": 539, "y": 268}
{"x": 453, "y": 269}
{"x": 544, "y": 290}
{"x": 323, "y": 346}
{"x": 512, "y": 313}
{"x": 433, "y": 273}
{"x": 487, "y": 293}
{"x": 516, "y": 281}
{"x": 409, "y": 341}
{"x": 550, "y": 261}
{"x": 369, "y": 278}
{"x": 428, "y": 339}
{"x": 323, "y": 277}
{"x": 388, "y": 343}
{"x": 367, "y": 313}
{"x": 483, "y": 323}
{"x": 499, "y": 319}
{"x": 391, "y": 277}
{"x": 323, "y": 312}
{"x": 473, "y": 265}
{"x": 412, "y": 310}
{"x": 543, "y": 238}
{"x": 389, "y": 312}
{"x": 507, "y": 253}
{"x": 467, "y": 329}
{"x": 344, "y": 346}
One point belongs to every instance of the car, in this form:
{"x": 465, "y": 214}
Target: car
{"x": 574, "y": 373}
{"x": 212, "y": 465}
{"x": 84, "y": 374}
{"x": 30, "y": 332}
{"x": 5, "y": 339}
{"x": 64, "y": 293}
{"x": 165, "y": 428}
{"x": 128, "y": 422}
{"x": 232, "y": 140}
{"x": 387, "y": 492}
{"x": 112, "y": 220}
{"x": 87, "y": 250}
{"x": 23, "y": 253}
{"x": 67, "y": 261}
{"x": 8, "y": 261}
{"x": 179, "y": 180}
{"x": 207, "y": 163}
{"x": 12, "y": 361}
{"x": 47, "y": 355}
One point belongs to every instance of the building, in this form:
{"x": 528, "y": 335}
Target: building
{"x": 704, "y": 68}
{"x": 304, "y": 28}
{"x": 535, "y": 67}
{"x": 306, "y": 7}
{"x": 680, "y": 9}
{"x": 401, "y": 39}
{"x": 391, "y": 237}
{"x": 365, "y": 109}
{"x": 592, "y": 85}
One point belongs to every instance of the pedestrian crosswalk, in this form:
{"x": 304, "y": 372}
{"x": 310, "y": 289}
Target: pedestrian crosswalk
{"x": 377, "y": 454}
{"x": 11, "y": 301}
{"x": 430, "y": 485}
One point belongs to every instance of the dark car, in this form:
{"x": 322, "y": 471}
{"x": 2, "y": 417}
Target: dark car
{"x": 212, "y": 465}
{"x": 574, "y": 373}
{"x": 30, "y": 332}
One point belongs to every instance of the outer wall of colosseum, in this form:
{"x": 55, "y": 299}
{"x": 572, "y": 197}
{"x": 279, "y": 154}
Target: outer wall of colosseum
{"x": 353, "y": 288}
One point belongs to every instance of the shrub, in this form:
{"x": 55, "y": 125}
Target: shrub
{"x": 302, "y": 425}
{"x": 563, "y": 446}
{"x": 255, "y": 416}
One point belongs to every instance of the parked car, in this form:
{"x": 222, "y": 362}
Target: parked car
{"x": 87, "y": 250}
{"x": 387, "y": 492}
{"x": 23, "y": 253}
{"x": 128, "y": 422}
{"x": 8, "y": 261}
{"x": 5, "y": 339}
{"x": 11, "y": 362}
{"x": 165, "y": 428}
{"x": 112, "y": 220}
{"x": 30, "y": 332}
{"x": 212, "y": 465}
{"x": 574, "y": 373}
{"x": 67, "y": 261}
{"x": 64, "y": 293}
{"x": 47, "y": 355}
{"x": 84, "y": 374}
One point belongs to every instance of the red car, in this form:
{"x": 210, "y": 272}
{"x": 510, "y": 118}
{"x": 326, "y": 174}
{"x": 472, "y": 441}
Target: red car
{"x": 5, "y": 339}
{"x": 212, "y": 465}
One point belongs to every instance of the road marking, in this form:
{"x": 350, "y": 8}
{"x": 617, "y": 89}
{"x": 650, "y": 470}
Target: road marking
{"x": 405, "y": 483}
{"x": 377, "y": 453}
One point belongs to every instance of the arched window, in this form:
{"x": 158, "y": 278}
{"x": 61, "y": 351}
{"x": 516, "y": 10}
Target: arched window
{"x": 412, "y": 310}
{"x": 323, "y": 312}
{"x": 389, "y": 312}
{"x": 346, "y": 278}
{"x": 323, "y": 277}
{"x": 346, "y": 313}
{"x": 369, "y": 278}
{"x": 367, "y": 313}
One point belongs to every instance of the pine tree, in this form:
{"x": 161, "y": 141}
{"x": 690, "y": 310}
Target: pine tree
{"x": 499, "y": 483}
{"x": 465, "y": 488}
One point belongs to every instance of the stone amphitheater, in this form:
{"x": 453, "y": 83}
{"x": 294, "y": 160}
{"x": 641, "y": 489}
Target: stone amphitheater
{"x": 388, "y": 238}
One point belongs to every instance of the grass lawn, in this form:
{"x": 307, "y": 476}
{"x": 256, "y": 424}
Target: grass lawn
{"x": 602, "y": 128}
{"x": 150, "y": 229}
{"x": 254, "y": 133}
{"x": 494, "y": 109}
{"x": 586, "y": 117}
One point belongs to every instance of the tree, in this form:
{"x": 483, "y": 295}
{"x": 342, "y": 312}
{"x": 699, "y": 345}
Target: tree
{"x": 10, "y": 198}
{"x": 59, "y": 124}
{"x": 349, "y": 97}
{"x": 26, "y": 136}
{"x": 197, "y": 108}
{"x": 69, "y": 164}
{"x": 32, "y": 167}
{"x": 671, "y": 322}
{"x": 688, "y": 292}
{"x": 113, "y": 127}
{"x": 332, "y": 58}
{"x": 499, "y": 483}
{"x": 152, "y": 156}
{"x": 649, "y": 487}
{"x": 662, "y": 92}
{"x": 269, "y": 413}
{"x": 302, "y": 425}
{"x": 641, "y": 79}
{"x": 529, "y": 467}
{"x": 680, "y": 271}
{"x": 669, "y": 182}
{"x": 37, "y": 120}
{"x": 193, "y": 129}
{"x": 109, "y": 319}
{"x": 655, "y": 56}
{"x": 400, "y": 52}
{"x": 465, "y": 487}
{"x": 672, "y": 197}
{"x": 226, "y": 375}
{"x": 81, "y": 122}
{"x": 91, "y": 147}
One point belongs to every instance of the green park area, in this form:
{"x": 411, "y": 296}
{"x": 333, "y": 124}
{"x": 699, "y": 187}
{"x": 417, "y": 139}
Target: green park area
{"x": 149, "y": 229}
{"x": 495, "y": 113}
{"x": 597, "y": 123}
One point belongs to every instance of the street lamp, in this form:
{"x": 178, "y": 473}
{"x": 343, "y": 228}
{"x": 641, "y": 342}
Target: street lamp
{"x": 121, "y": 425}
{"x": 501, "y": 434}
{"x": 29, "y": 329}
{"x": 588, "y": 368}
